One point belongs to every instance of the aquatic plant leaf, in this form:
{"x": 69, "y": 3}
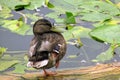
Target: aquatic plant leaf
{"x": 75, "y": 3}
{"x": 95, "y": 16}
{"x": 2, "y": 50}
{"x": 16, "y": 26}
{"x": 5, "y": 12}
{"x": 101, "y": 7}
{"x": 111, "y": 22}
{"x": 72, "y": 56}
{"x": 56, "y": 17}
{"x": 7, "y": 57}
{"x": 19, "y": 68}
{"x": 52, "y": 15}
{"x": 13, "y": 3}
{"x": 99, "y": 10}
{"x": 23, "y": 29}
{"x": 12, "y": 25}
{"x": 118, "y": 5}
{"x": 50, "y": 5}
{"x": 107, "y": 33}
{"x": 7, "y": 64}
{"x": 62, "y": 6}
{"x": 76, "y": 32}
{"x": 33, "y": 17}
{"x": 104, "y": 56}
{"x": 34, "y": 4}
{"x": 70, "y": 19}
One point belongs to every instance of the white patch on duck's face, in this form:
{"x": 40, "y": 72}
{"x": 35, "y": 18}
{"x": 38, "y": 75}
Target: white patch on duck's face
{"x": 37, "y": 64}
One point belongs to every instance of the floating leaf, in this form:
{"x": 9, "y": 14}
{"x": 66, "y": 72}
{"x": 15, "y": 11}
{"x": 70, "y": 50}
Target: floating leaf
{"x": 72, "y": 56}
{"x": 26, "y": 58}
{"x": 76, "y": 32}
{"x": 2, "y": 50}
{"x": 101, "y": 7}
{"x": 23, "y": 29}
{"x": 111, "y": 22}
{"x": 12, "y": 25}
{"x": 5, "y": 12}
{"x": 16, "y": 26}
{"x": 107, "y": 33}
{"x": 7, "y": 57}
{"x": 55, "y": 16}
{"x": 70, "y": 19}
{"x": 77, "y": 43}
{"x": 13, "y": 3}
{"x": 62, "y": 6}
{"x": 49, "y": 5}
{"x": 19, "y": 68}
{"x": 6, "y": 64}
{"x": 95, "y": 16}
{"x": 104, "y": 56}
{"x": 97, "y": 11}
{"x": 33, "y": 17}
{"x": 118, "y": 5}
{"x": 52, "y": 15}
{"x": 68, "y": 27}
{"x": 34, "y": 4}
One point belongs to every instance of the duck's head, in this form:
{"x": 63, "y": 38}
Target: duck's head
{"x": 41, "y": 26}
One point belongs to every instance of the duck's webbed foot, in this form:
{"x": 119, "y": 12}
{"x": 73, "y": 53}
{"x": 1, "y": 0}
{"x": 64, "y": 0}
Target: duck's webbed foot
{"x": 49, "y": 73}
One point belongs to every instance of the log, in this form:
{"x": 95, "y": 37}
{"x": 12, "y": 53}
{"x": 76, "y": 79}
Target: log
{"x": 97, "y": 72}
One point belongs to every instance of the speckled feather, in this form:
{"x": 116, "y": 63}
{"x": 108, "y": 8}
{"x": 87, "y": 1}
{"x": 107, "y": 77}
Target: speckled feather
{"x": 44, "y": 44}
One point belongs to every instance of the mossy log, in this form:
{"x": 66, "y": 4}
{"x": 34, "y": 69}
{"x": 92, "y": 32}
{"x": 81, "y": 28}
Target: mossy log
{"x": 97, "y": 72}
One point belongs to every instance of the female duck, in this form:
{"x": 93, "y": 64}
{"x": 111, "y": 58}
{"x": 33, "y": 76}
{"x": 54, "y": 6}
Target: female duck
{"x": 47, "y": 47}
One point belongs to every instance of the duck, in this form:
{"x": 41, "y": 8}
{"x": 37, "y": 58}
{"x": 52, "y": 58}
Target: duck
{"x": 47, "y": 47}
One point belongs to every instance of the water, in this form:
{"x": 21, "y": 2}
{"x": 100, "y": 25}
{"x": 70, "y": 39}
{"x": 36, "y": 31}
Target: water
{"x": 85, "y": 54}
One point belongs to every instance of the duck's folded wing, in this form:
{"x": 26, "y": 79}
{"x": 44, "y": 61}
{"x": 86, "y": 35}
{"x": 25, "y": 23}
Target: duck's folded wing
{"x": 52, "y": 42}
{"x": 48, "y": 42}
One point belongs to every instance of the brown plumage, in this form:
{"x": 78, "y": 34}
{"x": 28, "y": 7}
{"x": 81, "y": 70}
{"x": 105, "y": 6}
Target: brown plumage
{"x": 47, "y": 47}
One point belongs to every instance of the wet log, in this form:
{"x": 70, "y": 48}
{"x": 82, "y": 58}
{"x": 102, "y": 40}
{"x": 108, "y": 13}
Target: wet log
{"x": 97, "y": 72}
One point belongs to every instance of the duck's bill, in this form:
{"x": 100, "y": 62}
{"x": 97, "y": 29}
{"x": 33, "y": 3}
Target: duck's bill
{"x": 38, "y": 64}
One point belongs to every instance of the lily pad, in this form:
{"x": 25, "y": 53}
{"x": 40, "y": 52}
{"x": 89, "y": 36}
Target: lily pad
{"x": 34, "y": 4}
{"x": 5, "y": 12}
{"x": 16, "y": 26}
{"x": 107, "y": 33}
{"x": 104, "y": 56}
{"x": 2, "y": 50}
{"x": 62, "y": 6}
{"x": 70, "y": 19}
{"x": 7, "y": 64}
{"x": 95, "y": 16}
{"x": 19, "y": 68}
{"x": 76, "y": 32}
{"x": 97, "y": 11}
{"x": 101, "y": 7}
{"x": 13, "y": 3}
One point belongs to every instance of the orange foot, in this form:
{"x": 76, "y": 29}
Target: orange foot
{"x": 49, "y": 73}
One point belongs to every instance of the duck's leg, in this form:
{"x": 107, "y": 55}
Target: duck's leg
{"x": 48, "y": 73}
{"x": 57, "y": 64}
